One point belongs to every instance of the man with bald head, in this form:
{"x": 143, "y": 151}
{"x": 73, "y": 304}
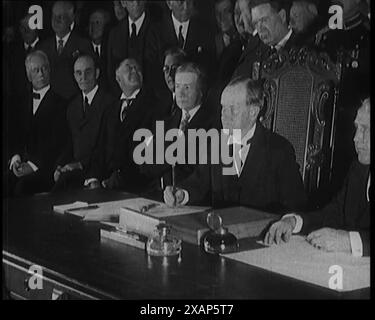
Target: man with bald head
{"x": 45, "y": 130}
{"x": 63, "y": 48}
{"x": 344, "y": 224}
{"x": 113, "y": 166}
{"x": 264, "y": 172}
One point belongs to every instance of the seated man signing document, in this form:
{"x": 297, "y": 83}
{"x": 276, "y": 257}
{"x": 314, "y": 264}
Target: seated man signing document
{"x": 344, "y": 224}
{"x": 265, "y": 173}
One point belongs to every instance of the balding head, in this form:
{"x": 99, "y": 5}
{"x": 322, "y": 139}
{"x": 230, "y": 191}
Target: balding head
{"x": 129, "y": 76}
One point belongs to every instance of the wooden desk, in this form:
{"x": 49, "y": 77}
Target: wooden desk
{"x": 76, "y": 265}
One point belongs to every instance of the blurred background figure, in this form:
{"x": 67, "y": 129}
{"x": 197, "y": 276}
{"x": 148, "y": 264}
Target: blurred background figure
{"x": 98, "y": 33}
{"x": 119, "y": 10}
{"x": 305, "y": 20}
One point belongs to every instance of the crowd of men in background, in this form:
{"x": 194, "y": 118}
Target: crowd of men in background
{"x": 76, "y": 91}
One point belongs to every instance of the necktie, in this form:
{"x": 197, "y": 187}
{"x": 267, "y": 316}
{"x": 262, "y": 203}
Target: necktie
{"x": 60, "y": 46}
{"x": 29, "y": 48}
{"x": 133, "y": 36}
{"x": 86, "y": 105}
{"x": 181, "y": 40}
{"x": 36, "y": 96}
{"x": 97, "y": 51}
{"x": 184, "y": 121}
{"x": 125, "y": 104}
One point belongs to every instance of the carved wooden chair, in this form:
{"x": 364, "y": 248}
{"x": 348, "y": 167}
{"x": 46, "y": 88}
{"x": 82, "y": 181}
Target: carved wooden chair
{"x": 300, "y": 87}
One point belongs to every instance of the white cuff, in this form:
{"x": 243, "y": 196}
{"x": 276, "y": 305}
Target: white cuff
{"x": 299, "y": 222}
{"x": 88, "y": 181}
{"x": 356, "y": 244}
{"x": 186, "y": 197}
{"x": 13, "y": 160}
{"x": 33, "y": 166}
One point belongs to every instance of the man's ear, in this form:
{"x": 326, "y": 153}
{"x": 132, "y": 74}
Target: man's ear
{"x": 282, "y": 14}
{"x": 254, "y": 111}
{"x": 97, "y": 73}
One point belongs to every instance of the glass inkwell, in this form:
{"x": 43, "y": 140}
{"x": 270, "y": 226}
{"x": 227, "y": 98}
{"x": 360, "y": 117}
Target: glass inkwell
{"x": 218, "y": 239}
{"x": 162, "y": 244}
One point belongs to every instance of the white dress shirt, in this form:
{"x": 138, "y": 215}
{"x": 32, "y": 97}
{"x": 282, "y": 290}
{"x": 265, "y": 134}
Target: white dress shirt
{"x": 90, "y": 96}
{"x": 99, "y": 46}
{"x": 138, "y": 23}
{"x": 284, "y": 40}
{"x": 32, "y": 45}
{"x": 123, "y": 96}
{"x": 36, "y": 104}
{"x": 42, "y": 93}
{"x": 65, "y": 40}
{"x": 243, "y": 149}
{"x": 177, "y": 24}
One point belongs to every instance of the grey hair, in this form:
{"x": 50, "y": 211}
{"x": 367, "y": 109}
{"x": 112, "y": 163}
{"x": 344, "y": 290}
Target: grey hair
{"x": 33, "y": 54}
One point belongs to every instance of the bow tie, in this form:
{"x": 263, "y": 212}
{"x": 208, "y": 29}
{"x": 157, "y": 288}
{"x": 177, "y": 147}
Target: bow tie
{"x": 36, "y": 96}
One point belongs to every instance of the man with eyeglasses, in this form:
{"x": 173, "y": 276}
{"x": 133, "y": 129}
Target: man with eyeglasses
{"x": 174, "y": 57}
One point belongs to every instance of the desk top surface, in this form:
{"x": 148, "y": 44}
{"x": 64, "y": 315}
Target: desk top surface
{"x": 32, "y": 231}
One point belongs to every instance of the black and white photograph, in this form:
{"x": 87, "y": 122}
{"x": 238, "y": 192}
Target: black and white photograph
{"x": 186, "y": 155}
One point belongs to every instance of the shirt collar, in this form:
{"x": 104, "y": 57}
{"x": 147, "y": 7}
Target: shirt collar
{"x": 31, "y": 45}
{"x": 42, "y": 92}
{"x": 235, "y": 139}
{"x": 138, "y": 23}
{"x": 192, "y": 112}
{"x": 133, "y": 96}
{"x": 90, "y": 96}
{"x": 177, "y": 24}
{"x": 64, "y": 39}
{"x": 284, "y": 40}
{"x": 96, "y": 45}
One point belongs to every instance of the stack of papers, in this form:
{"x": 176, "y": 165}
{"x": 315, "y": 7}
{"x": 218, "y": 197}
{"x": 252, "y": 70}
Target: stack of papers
{"x": 300, "y": 260}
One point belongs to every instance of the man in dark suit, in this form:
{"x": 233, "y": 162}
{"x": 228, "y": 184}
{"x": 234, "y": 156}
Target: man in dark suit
{"x": 30, "y": 41}
{"x": 270, "y": 19}
{"x": 45, "y": 127}
{"x": 98, "y": 22}
{"x": 174, "y": 57}
{"x": 344, "y": 224}
{"x": 113, "y": 166}
{"x": 191, "y": 112}
{"x": 263, "y": 174}
{"x": 85, "y": 116}
{"x": 180, "y": 29}
{"x": 128, "y": 40}
{"x": 63, "y": 48}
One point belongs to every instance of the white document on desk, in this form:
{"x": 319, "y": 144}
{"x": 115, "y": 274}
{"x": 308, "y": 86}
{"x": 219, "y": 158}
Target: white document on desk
{"x": 300, "y": 260}
{"x": 159, "y": 209}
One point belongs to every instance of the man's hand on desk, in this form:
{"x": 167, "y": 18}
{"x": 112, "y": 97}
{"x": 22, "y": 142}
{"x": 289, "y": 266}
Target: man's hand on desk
{"x": 174, "y": 196}
{"x": 22, "y": 169}
{"x": 329, "y": 239}
{"x": 281, "y": 229}
{"x": 71, "y": 167}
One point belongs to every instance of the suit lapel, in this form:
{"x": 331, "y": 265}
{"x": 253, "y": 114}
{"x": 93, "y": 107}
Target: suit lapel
{"x": 255, "y": 158}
